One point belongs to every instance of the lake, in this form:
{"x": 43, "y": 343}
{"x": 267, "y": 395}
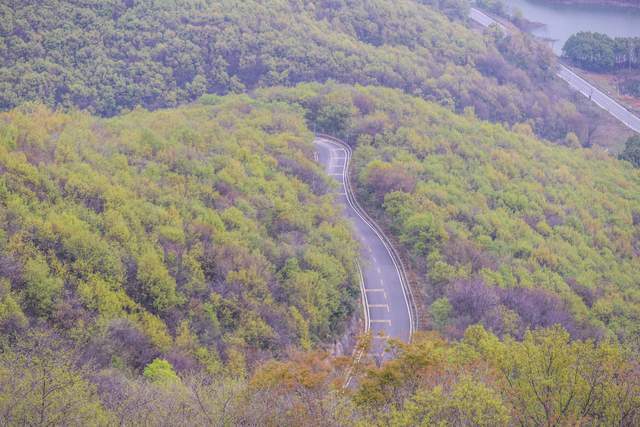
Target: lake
{"x": 563, "y": 20}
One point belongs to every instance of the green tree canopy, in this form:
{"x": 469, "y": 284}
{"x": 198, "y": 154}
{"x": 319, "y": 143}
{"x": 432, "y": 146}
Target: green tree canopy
{"x": 631, "y": 152}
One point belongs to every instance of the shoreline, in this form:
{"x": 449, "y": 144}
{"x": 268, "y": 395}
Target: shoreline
{"x": 607, "y": 83}
{"x": 581, "y": 80}
{"x": 628, "y": 4}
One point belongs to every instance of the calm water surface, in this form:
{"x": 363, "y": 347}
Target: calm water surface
{"x": 563, "y": 20}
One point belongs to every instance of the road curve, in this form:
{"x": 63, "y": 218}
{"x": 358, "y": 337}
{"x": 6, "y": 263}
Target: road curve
{"x": 575, "y": 81}
{"x": 386, "y": 296}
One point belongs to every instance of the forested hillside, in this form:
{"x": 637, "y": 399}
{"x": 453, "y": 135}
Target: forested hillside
{"x": 200, "y": 234}
{"x": 153, "y": 262}
{"x": 171, "y": 253}
{"x": 106, "y": 56}
{"x": 504, "y": 229}
{"x": 482, "y": 381}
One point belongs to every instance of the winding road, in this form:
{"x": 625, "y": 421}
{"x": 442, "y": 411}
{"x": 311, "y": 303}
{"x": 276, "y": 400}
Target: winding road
{"x": 386, "y": 296}
{"x": 575, "y": 81}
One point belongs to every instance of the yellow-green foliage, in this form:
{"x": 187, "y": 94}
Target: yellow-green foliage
{"x": 160, "y": 371}
{"x": 545, "y": 216}
{"x": 41, "y": 385}
{"x": 194, "y": 216}
{"x": 545, "y": 379}
{"x": 108, "y": 56}
{"x": 474, "y": 202}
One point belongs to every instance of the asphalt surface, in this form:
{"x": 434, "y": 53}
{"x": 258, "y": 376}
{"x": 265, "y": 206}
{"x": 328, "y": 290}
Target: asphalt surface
{"x": 602, "y": 100}
{"x": 387, "y": 310}
{"x": 576, "y": 82}
{"x": 484, "y": 19}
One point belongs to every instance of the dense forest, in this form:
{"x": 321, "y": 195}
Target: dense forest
{"x": 199, "y": 234}
{"x": 504, "y": 229}
{"x": 179, "y": 267}
{"x": 545, "y": 379}
{"x": 599, "y": 52}
{"x": 171, "y": 253}
{"x": 109, "y": 56}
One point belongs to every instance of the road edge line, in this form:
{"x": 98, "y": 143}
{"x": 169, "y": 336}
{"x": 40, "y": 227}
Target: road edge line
{"x": 393, "y": 252}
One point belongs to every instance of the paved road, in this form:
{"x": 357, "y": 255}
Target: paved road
{"x": 484, "y": 19}
{"x": 387, "y": 306}
{"x": 602, "y": 100}
{"x": 576, "y": 82}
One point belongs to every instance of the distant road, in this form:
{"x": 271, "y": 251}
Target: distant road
{"x": 386, "y": 295}
{"x": 576, "y": 82}
{"x": 484, "y": 19}
{"x": 602, "y": 100}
